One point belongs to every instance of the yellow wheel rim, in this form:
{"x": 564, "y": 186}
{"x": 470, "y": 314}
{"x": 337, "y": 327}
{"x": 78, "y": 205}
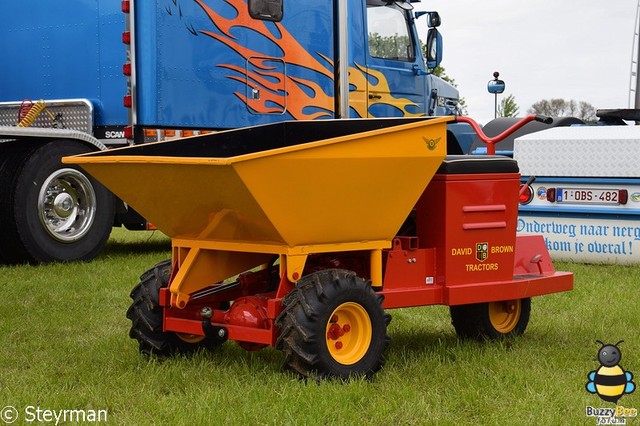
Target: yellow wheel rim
{"x": 348, "y": 333}
{"x": 504, "y": 316}
{"x": 190, "y": 338}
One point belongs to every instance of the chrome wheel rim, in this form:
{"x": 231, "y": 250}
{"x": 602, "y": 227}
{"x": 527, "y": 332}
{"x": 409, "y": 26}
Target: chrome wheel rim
{"x": 67, "y": 205}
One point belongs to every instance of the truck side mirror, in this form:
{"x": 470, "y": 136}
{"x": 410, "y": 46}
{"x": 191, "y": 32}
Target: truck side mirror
{"x": 433, "y": 49}
{"x": 433, "y": 20}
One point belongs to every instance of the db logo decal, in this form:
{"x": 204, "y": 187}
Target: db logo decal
{"x": 482, "y": 251}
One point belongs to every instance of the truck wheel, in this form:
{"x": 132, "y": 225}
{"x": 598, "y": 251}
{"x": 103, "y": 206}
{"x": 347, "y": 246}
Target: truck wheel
{"x": 491, "y": 320}
{"x": 146, "y": 318}
{"x": 333, "y": 326}
{"x": 51, "y": 212}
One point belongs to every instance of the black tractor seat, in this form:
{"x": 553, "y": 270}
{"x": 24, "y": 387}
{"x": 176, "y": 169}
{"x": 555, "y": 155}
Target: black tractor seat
{"x": 472, "y": 164}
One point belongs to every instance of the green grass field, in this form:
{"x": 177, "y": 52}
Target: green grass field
{"x": 65, "y": 346}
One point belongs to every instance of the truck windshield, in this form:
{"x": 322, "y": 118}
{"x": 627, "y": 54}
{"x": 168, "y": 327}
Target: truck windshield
{"x": 389, "y": 32}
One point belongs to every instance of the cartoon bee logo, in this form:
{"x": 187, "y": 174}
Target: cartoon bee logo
{"x": 610, "y": 381}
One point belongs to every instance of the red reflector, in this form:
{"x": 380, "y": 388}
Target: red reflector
{"x": 126, "y": 6}
{"x": 128, "y": 101}
{"x": 623, "y": 196}
{"x": 126, "y": 69}
{"x": 164, "y": 297}
{"x": 551, "y": 195}
{"x": 126, "y": 37}
{"x": 526, "y": 194}
{"x": 128, "y": 132}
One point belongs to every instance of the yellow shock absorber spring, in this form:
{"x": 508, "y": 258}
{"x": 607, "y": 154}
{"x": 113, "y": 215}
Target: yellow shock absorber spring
{"x": 33, "y": 113}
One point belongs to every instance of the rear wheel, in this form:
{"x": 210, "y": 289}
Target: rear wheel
{"x": 146, "y": 317}
{"x": 333, "y": 325}
{"x": 51, "y": 212}
{"x": 491, "y": 320}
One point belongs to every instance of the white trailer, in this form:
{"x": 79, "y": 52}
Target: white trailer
{"x": 585, "y": 198}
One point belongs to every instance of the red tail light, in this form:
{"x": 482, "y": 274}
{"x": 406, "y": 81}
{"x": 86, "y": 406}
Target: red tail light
{"x": 623, "y": 196}
{"x": 526, "y": 194}
{"x": 128, "y": 101}
{"x": 551, "y": 195}
{"x": 126, "y": 6}
{"x": 128, "y": 132}
{"x": 126, "y": 69}
{"x": 126, "y": 37}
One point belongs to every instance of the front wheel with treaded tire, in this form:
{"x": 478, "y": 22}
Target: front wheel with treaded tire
{"x": 333, "y": 326}
{"x": 491, "y": 320}
{"x": 146, "y": 317}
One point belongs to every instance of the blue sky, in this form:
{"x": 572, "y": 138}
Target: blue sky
{"x": 543, "y": 49}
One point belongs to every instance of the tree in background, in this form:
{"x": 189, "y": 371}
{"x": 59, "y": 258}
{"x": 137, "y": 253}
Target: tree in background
{"x": 562, "y": 108}
{"x": 390, "y": 47}
{"x": 508, "y": 107}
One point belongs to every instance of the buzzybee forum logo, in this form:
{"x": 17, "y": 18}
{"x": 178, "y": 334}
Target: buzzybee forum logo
{"x": 610, "y": 382}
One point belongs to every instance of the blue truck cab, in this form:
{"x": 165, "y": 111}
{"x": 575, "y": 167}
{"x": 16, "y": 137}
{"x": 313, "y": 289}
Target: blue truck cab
{"x": 95, "y": 74}
{"x": 234, "y": 63}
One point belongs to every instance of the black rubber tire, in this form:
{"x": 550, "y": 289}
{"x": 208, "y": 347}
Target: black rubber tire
{"x": 146, "y": 315}
{"x": 12, "y": 156}
{"x": 473, "y": 321}
{"x": 307, "y": 311}
{"x": 25, "y": 168}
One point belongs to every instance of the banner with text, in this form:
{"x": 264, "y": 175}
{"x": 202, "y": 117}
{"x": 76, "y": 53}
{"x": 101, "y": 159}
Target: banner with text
{"x": 586, "y": 240}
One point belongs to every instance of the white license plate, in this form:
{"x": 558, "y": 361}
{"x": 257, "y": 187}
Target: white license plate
{"x": 588, "y": 196}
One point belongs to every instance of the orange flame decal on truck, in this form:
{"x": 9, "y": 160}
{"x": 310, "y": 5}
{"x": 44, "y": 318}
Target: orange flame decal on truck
{"x": 360, "y": 77}
{"x": 303, "y": 99}
{"x": 297, "y": 98}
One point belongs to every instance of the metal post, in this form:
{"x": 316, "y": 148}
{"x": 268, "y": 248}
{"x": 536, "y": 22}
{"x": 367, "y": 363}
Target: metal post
{"x": 636, "y": 42}
{"x": 495, "y": 86}
{"x": 342, "y": 68}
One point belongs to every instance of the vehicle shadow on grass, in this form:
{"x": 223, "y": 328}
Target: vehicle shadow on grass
{"x": 422, "y": 342}
{"x": 409, "y": 345}
{"x": 118, "y": 248}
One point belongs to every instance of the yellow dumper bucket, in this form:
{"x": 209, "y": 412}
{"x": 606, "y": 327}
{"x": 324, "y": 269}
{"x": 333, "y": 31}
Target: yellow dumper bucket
{"x": 291, "y": 183}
